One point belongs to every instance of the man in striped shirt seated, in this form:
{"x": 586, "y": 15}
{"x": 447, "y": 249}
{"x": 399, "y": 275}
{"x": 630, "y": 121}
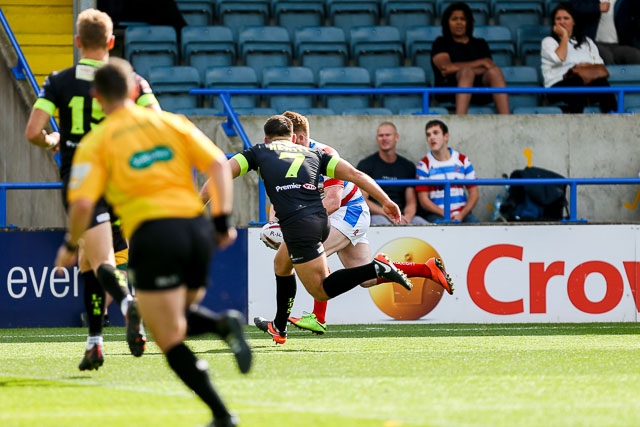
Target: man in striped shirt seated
{"x": 443, "y": 162}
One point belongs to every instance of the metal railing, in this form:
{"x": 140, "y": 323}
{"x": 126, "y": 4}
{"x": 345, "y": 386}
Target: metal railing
{"x": 22, "y": 70}
{"x": 573, "y": 184}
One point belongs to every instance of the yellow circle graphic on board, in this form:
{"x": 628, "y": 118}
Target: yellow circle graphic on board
{"x": 394, "y": 300}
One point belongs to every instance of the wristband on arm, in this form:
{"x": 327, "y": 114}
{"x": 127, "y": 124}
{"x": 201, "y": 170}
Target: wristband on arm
{"x": 221, "y": 223}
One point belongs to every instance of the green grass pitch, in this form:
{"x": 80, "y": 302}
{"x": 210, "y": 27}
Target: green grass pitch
{"x": 388, "y": 375}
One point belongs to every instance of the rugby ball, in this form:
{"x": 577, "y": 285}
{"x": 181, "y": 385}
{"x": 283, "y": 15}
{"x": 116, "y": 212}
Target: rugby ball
{"x": 271, "y": 235}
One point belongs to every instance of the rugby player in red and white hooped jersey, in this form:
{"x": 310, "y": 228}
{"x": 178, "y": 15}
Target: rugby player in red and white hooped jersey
{"x": 350, "y": 220}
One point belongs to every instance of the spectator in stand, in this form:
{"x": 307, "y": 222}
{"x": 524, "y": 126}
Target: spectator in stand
{"x": 443, "y": 162}
{"x": 387, "y": 164}
{"x": 566, "y": 48}
{"x": 460, "y": 60}
{"x": 615, "y": 27}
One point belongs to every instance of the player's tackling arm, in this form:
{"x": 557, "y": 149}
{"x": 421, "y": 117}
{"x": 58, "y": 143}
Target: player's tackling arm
{"x": 345, "y": 171}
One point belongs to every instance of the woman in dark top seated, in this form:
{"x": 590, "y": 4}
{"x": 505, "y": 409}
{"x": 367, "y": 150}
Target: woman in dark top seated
{"x": 460, "y": 60}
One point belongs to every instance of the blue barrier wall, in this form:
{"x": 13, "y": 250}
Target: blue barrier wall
{"x": 34, "y": 296}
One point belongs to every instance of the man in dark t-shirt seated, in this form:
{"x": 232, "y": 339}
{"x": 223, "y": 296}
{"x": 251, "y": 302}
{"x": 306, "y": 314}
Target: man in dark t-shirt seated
{"x": 387, "y": 164}
{"x": 460, "y": 60}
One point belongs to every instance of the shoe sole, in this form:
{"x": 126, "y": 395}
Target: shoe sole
{"x": 313, "y": 331}
{"x": 136, "y": 341}
{"x": 237, "y": 342}
{"x": 260, "y": 321}
{"x": 447, "y": 279}
{"x": 394, "y": 274}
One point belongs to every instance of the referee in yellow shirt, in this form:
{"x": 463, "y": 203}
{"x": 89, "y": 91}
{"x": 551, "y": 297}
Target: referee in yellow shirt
{"x": 142, "y": 162}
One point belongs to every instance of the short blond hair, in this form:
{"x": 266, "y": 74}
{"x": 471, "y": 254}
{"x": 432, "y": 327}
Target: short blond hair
{"x": 300, "y": 122}
{"x": 94, "y": 29}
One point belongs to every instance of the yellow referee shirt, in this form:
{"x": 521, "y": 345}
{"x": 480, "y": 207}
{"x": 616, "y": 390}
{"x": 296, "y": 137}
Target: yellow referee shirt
{"x": 142, "y": 160}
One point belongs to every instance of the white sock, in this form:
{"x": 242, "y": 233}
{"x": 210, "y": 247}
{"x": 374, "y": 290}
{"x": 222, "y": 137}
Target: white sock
{"x": 93, "y": 340}
{"x": 124, "y": 305}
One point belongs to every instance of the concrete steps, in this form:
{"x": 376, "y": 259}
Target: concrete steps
{"x": 44, "y": 29}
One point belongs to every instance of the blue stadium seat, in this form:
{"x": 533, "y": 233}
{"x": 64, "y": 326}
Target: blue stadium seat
{"x": 150, "y": 46}
{"x": 371, "y": 111}
{"x": 376, "y": 46}
{"x": 239, "y": 14}
{"x": 296, "y": 14}
{"x": 500, "y": 43}
{"x": 240, "y": 77}
{"x": 192, "y": 112}
{"x": 418, "y": 42}
{"x": 403, "y": 14}
{"x": 171, "y": 86}
{"x": 207, "y": 46}
{"x": 348, "y": 14}
{"x": 265, "y": 46}
{"x": 256, "y": 111}
{"x": 481, "y": 9}
{"x": 549, "y": 5}
{"x": 398, "y": 77}
{"x": 537, "y": 110}
{"x": 432, "y": 111}
{"x": 522, "y": 76}
{"x": 289, "y": 77}
{"x": 316, "y": 111}
{"x": 320, "y": 47}
{"x": 626, "y": 75}
{"x": 476, "y": 109}
{"x": 516, "y": 13}
{"x": 345, "y": 77}
{"x": 528, "y": 40}
{"x": 196, "y": 12}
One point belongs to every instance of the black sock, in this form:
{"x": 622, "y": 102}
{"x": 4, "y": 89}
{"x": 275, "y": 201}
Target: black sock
{"x": 285, "y": 295}
{"x": 114, "y": 282}
{"x": 185, "y": 364}
{"x": 201, "y": 320}
{"x": 344, "y": 280}
{"x": 94, "y": 299}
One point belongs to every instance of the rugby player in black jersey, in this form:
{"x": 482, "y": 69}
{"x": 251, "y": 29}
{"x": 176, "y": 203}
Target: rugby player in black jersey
{"x": 290, "y": 174}
{"x": 69, "y": 92}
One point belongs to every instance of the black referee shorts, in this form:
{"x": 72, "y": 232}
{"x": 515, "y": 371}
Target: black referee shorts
{"x": 167, "y": 253}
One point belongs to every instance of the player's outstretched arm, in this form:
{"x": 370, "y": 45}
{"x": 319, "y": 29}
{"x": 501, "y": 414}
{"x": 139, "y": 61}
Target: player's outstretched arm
{"x": 345, "y": 171}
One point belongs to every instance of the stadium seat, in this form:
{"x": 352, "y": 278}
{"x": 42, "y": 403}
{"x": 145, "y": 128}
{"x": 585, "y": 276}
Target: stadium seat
{"x": 418, "y": 111}
{"x": 240, "y": 77}
{"x": 376, "y": 46}
{"x": 537, "y": 110}
{"x": 634, "y": 110}
{"x": 191, "y": 112}
{"x": 500, "y": 43}
{"x": 626, "y": 75}
{"x": 196, "y": 12}
{"x": 398, "y": 77}
{"x": 476, "y": 109}
{"x": 320, "y": 47}
{"x": 150, "y": 46}
{"x": 265, "y": 46}
{"x": 481, "y": 9}
{"x": 207, "y": 46}
{"x": 348, "y": 14}
{"x": 522, "y": 76}
{"x": 296, "y": 14}
{"x": 256, "y": 111}
{"x": 345, "y": 77}
{"x": 418, "y": 42}
{"x": 403, "y": 14}
{"x": 238, "y": 14}
{"x": 289, "y": 77}
{"x": 316, "y": 111}
{"x": 171, "y": 86}
{"x": 516, "y": 13}
{"x": 371, "y": 111}
{"x": 549, "y": 5}
{"x": 528, "y": 40}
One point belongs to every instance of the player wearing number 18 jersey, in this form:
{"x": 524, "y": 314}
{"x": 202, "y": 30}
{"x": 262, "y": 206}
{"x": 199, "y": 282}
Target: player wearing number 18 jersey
{"x": 69, "y": 92}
